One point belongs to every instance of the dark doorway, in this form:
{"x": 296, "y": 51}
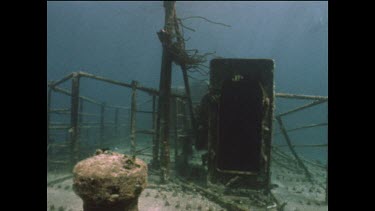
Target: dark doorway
{"x": 240, "y": 117}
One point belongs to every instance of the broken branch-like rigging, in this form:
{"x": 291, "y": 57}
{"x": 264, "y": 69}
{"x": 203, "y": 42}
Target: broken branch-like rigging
{"x": 210, "y": 21}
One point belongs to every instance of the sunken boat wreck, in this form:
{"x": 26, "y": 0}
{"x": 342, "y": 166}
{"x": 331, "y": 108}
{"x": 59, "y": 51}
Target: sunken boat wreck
{"x": 204, "y": 150}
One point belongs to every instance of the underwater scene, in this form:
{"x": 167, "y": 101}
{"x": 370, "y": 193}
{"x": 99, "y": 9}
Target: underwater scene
{"x": 187, "y": 105}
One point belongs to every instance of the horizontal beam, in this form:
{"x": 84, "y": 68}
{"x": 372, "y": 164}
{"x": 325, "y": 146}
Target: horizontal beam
{"x": 87, "y": 99}
{"x": 55, "y": 83}
{"x": 304, "y": 145}
{"x": 147, "y": 112}
{"x": 66, "y": 92}
{"x": 116, "y": 106}
{"x": 99, "y": 78}
{"x": 306, "y": 126}
{"x": 314, "y": 103}
{"x": 66, "y": 127}
{"x": 138, "y": 87}
{"x": 59, "y": 110}
{"x": 68, "y": 113}
{"x": 302, "y": 97}
{"x": 288, "y": 157}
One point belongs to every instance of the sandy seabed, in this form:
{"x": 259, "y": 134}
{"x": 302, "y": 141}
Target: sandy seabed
{"x": 291, "y": 188}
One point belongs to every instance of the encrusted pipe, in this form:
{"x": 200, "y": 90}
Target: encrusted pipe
{"x": 110, "y": 181}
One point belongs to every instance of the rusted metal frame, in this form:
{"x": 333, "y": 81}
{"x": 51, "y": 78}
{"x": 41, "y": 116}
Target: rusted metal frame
{"x": 66, "y": 92}
{"x": 304, "y": 145}
{"x": 89, "y": 127}
{"x": 302, "y": 97}
{"x": 68, "y": 113}
{"x": 59, "y": 109}
{"x": 146, "y": 112}
{"x": 155, "y": 140}
{"x": 282, "y": 154}
{"x": 189, "y": 101}
{"x": 306, "y": 126}
{"x": 88, "y": 114}
{"x": 101, "y": 131}
{"x": 80, "y": 118}
{"x": 48, "y": 114}
{"x": 181, "y": 42}
{"x": 83, "y": 123}
{"x": 99, "y": 78}
{"x": 326, "y": 191}
{"x": 87, "y": 99}
{"x": 317, "y": 102}
{"x": 184, "y": 140}
{"x": 151, "y": 91}
{"x": 60, "y": 127}
{"x": 288, "y": 141}
{"x": 283, "y": 165}
{"x": 74, "y": 130}
{"x": 133, "y": 114}
{"x": 176, "y": 125}
{"x": 145, "y": 89}
{"x": 165, "y": 94}
{"x": 69, "y": 76}
{"x": 287, "y": 157}
{"x": 117, "y": 107}
{"x": 64, "y": 127}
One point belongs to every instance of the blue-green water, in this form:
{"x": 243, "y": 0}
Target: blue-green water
{"x": 118, "y": 40}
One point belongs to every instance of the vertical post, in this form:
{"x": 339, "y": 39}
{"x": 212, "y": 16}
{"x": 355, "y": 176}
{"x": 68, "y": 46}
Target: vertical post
{"x": 186, "y": 142}
{"x": 80, "y": 117}
{"x": 189, "y": 101}
{"x": 74, "y": 130}
{"x": 80, "y": 111}
{"x": 326, "y": 198}
{"x": 116, "y": 122}
{"x": 101, "y": 135}
{"x": 176, "y": 127}
{"x": 299, "y": 161}
{"x": 49, "y": 94}
{"x": 186, "y": 83}
{"x": 132, "y": 118}
{"x": 133, "y": 109}
{"x": 155, "y": 140}
{"x": 165, "y": 91}
{"x": 48, "y": 113}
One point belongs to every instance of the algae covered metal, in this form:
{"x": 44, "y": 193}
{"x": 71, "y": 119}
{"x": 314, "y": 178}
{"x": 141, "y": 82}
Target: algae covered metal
{"x": 240, "y": 122}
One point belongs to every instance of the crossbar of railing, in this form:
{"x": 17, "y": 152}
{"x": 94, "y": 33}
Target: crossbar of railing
{"x": 317, "y": 102}
{"x": 304, "y": 145}
{"x": 66, "y": 92}
{"x": 302, "y": 97}
{"x": 141, "y": 88}
{"x": 146, "y": 112}
{"x": 305, "y": 127}
{"x": 59, "y": 110}
{"x": 55, "y": 83}
{"x": 87, "y": 99}
{"x": 68, "y": 113}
